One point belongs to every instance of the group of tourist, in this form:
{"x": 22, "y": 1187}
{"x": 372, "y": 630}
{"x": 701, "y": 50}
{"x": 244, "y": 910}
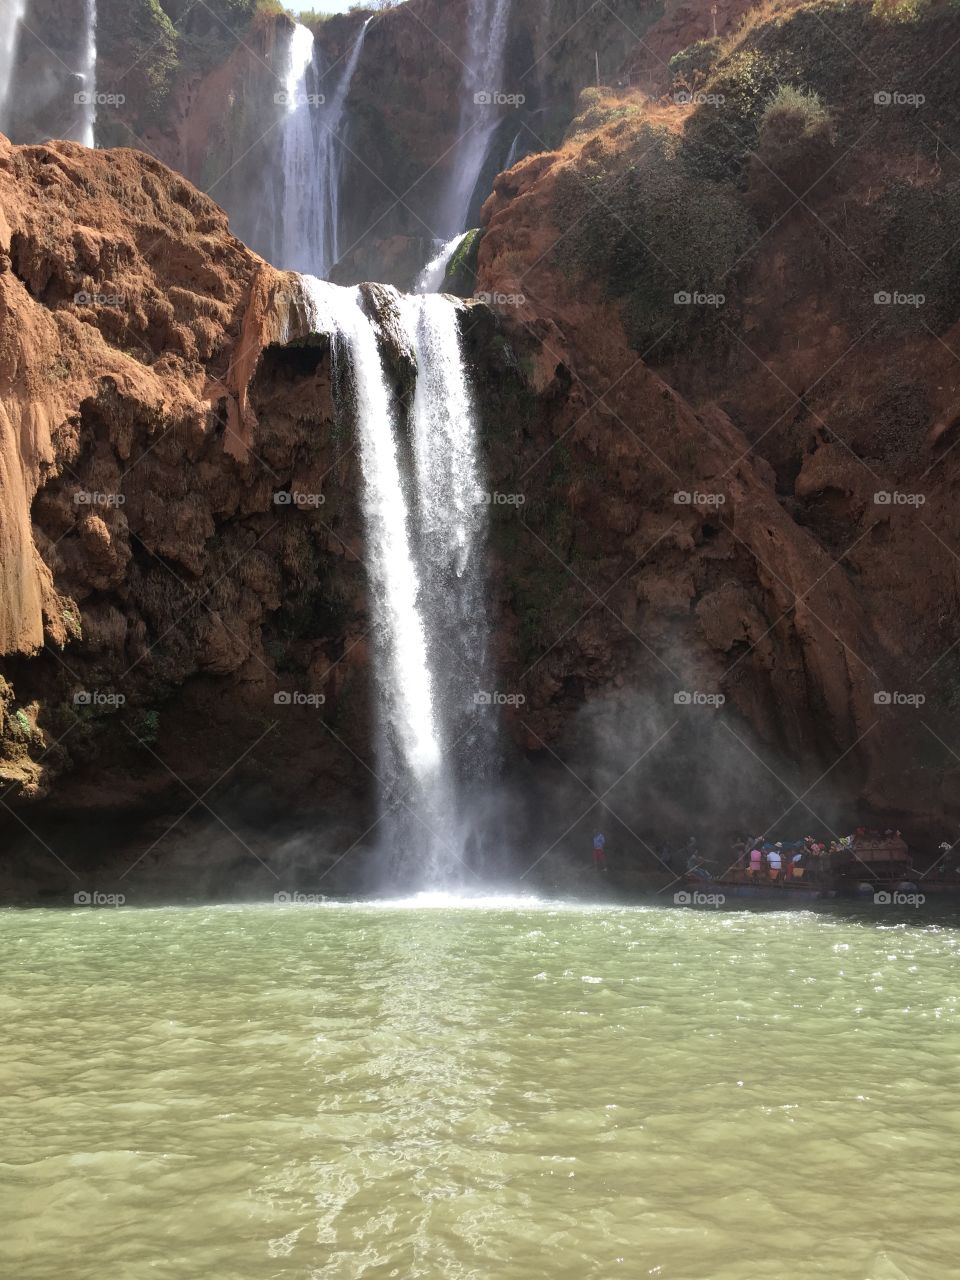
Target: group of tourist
{"x": 757, "y": 857}
{"x": 785, "y": 859}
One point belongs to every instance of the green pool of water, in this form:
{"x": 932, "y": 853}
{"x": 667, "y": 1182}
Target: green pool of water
{"x": 503, "y": 1092}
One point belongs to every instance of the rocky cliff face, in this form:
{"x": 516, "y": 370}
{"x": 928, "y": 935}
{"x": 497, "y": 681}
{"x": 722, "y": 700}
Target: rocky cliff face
{"x": 688, "y": 421}
{"x": 178, "y": 532}
{"x": 196, "y": 87}
{"x": 713, "y": 308}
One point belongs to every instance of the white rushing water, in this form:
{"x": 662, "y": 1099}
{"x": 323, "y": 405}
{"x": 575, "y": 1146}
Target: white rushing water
{"x": 425, "y": 523}
{"x": 514, "y": 153}
{"x": 488, "y": 21}
{"x": 331, "y": 150}
{"x": 11, "y": 14}
{"x": 88, "y": 72}
{"x": 312, "y": 159}
{"x": 432, "y": 275}
{"x": 299, "y": 242}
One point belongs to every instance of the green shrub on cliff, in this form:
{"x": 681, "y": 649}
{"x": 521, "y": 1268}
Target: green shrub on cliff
{"x": 138, "y": 37}
{"x": 691, "y": 66}
{"x": 598, "y": 107}
{"x": 794, "y": 149}
{"x": 909, "y": 239}
{"x": 461, "y": 273}
{"x": 648, "y": 227}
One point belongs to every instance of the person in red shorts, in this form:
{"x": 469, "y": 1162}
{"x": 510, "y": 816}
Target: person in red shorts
{"x": 600, "y": 851}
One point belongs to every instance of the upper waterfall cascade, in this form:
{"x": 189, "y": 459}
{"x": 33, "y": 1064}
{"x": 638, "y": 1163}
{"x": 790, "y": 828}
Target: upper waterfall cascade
{"x": 88, "y": 73}
{"x": 488, "y": 22}
{"x": 312, "y": 159}
{"x": 11, "y": 15}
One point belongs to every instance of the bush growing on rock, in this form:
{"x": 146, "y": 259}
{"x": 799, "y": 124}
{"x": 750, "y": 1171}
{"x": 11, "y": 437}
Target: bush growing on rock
{"x": 651, "y": 230}
{"x": 690, "y": 67}
{"x": 794, "y": 149}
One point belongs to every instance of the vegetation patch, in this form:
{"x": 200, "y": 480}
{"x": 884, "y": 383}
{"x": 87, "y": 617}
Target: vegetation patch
{"x": 647, "y": 225}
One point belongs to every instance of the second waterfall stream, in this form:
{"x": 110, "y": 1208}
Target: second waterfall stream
{"x": 425, "y": 518}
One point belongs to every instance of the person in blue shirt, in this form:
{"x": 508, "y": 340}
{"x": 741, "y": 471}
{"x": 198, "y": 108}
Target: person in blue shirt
{"x": 600, "y": 851}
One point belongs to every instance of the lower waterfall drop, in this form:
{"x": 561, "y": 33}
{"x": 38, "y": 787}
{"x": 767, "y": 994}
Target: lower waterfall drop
{"x": 424, "y": 517}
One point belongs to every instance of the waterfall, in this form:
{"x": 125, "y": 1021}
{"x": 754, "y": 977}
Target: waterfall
{"x": 450, "y": 523}
{"x": 88, "y": 74}
{"x": 487, "y": 21}
{"x": 424, "y": 522}
{"x": 331, "y": 158}
{"x": 11, "y": 14}
{"x": 299, "y": 238}
{"x": 432, "y": 275}
{"x": 514, "y": 152}
{"x": 312, "y": 160}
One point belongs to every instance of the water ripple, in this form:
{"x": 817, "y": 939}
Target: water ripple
{"x": 484, "y": 1090}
